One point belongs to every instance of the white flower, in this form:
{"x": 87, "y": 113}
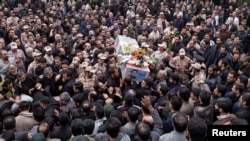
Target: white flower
{"x": 132, "y": 62}
{"x": 145, "y": 64}
{"x": 146, "y": 57}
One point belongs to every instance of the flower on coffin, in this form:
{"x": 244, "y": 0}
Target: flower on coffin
{"x": 126, "y": 49}
{"x": 134, "y": 62}
{"x": 136, "y": 53}
{"x": 144, "y": 51}
{"x": 151, "y": 61}
{"x": 136, "y": 58}
{"x": 145, "y": 64}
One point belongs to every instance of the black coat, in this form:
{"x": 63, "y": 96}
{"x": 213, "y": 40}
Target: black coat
{"x": 244, "y": 113}
{"x": 177, "y": 47}
{"x": 209, "y": 56}
{"x": 26, "y": 85}
{"x": 51, "y": 83}
{"x": 179, "y": 24}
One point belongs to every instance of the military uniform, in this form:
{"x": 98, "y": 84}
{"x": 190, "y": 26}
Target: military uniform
{"x": 184, "y": 65}
{"x": 198, "y": 79}
{"x": 32, "y": 67}
{"x": 158, "y": 56}
{"x": 87, "y": 83}
{"x": 99, "y": 67}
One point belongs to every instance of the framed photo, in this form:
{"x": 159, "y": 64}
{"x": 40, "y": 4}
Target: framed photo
{"x": 137, "y": 73}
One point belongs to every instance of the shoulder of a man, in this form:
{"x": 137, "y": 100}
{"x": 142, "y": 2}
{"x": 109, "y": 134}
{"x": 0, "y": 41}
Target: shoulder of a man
{"x": 101, "y": 137}
{"x": 122, "y": 136}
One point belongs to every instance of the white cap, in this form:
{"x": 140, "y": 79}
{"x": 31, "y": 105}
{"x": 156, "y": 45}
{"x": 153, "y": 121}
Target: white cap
{"x": 90, "y": 69}
{"x": 47, "y": 48}
{"x": 25, "y": 27}
{"x": 182, "y": 52}
{"x": 79, "y": 35}
{"x": 196, "y": 66}
{"x": 144, "y": 45}
{"x": 84, "y": 64}
{"x": 75, "y": 60}
{"x": 102, "y": 56}
{"x": 36, "y": 53}
{"x": 13, "y": 45}
{"x": 162, "y": 45}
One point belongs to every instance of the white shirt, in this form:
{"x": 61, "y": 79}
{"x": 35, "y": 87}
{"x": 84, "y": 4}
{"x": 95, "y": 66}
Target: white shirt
{"x": 154, "y": 35}
{"x": 98, "y": 123}
{"x": 236, "y": 21}
{"x": 131, "y": 13}
{"x": 49, "y": 59}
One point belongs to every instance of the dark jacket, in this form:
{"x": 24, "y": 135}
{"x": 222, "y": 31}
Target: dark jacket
{"x": 49, "y": 85}
{"x": 68, "y": 86}
{"x": 209, "y": 56}
{"x": 177, "y": 47}
{"x": 179, "y": 24}
{"x": 62, "y": 133}
{"x": 26, "y": 85}
{"x": 244, "y": 113}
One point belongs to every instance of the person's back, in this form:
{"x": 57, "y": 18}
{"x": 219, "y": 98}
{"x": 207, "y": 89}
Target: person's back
{"x": 197, "y": 129}
{"x": 143, "y": 132}
{"x": 113, "y": 126}
{"x": 180, "y": 124}
{"x": 25, "y": 119}
{"x": 8, "y": 135}
{"x": 9, "y": 124}
{"x": 130, "y": 126}
{"x": 88, "y": 128}
{"x": 63, "y": 132}
{"x": 205, "y": 98}
{"x": 187, "y": 106}
{"x": 175, "y": 106}
{"x": 244, "y": 112}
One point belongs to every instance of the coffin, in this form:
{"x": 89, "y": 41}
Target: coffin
{"x": 125, "y": 45}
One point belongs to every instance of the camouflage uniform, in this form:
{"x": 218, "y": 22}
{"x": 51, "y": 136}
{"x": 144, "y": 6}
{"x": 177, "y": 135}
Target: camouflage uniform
{"x": 184, "y": 65}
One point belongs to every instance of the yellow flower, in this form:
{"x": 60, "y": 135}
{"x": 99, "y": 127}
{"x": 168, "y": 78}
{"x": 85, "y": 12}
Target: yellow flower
{"x": 136, "y": 53}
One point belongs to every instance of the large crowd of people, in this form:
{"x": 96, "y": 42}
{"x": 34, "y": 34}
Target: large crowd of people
{"x": 61, "y": 77}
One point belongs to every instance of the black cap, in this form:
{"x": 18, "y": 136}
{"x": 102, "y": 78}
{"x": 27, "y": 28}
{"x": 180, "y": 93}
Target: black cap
{"x": 199, "y": 57}
{"x": 199, "y": 52}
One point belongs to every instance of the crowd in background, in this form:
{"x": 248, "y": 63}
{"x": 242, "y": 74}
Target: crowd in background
{"x": 61, "y": 78}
